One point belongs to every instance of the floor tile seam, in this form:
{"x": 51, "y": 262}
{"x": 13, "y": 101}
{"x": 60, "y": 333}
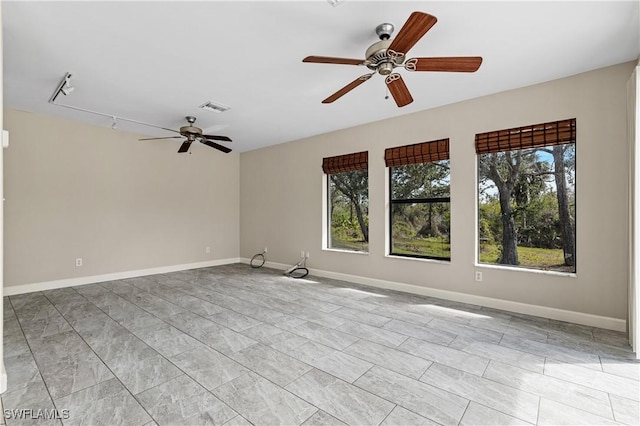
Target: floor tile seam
{"x": 602, "y": 353}
{"x": 113, "y": 319}
{"x": 593, "y": 386}
{"x": 507, "y": 348}
{"x": 447, "y": 347}
{"x": 473, "y": 399}
{"x": 156, "y": 353}
{"x": 182, "y": 291}
{"x": 383, "y": 366}
{"x": 25, "y": 384}
{"x": 467, "y": 326}
{"x": 511, "y": 415}
{"x": 510, "y": 333}
{"x": 223, "y": 307}
{"x": 551, "y": 355}
{"x": 114, "y": 376}
{"x": 291, "y": 355}
{"x": 204, "y": 344}
{"x": 465, "y": 412}
{"x": 283, "y": 388}
{"x": 540, "y": 396}
{"x": 503, "y": 361}
{"x": 368, "y": 339}
{"x": 387, "y": 416}
{"x": 401, "y": 404}
{"x": 306, "y": 337}
{"x": 341, "y": 380}
{"x": 360, "y": 376}
{"x": 335, "y": 302}
{"x": 389, "y": 319}
{"x": 597, "y": 348}
{"x": 262, "y": 305}
{"x": 33, "y": 356}
{"x": 299, "y": 358}
{"x": 44, "y": 383}
{"x": 226, "y": 295}
{"x": 612, "y": 419}
{"x": 409, "y": 335}
{"x": 280, "y": 352}
{"x": 613, "y": 412}
{"x": 159, "y": 318}
{"x": 622, "y": 376}
{"x": 185, "y": 373}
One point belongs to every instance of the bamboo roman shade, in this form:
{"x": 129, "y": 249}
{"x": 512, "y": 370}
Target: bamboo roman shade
{"x": 425, "y": 152}
{"x": 346, "y": 163}
{"x": 536, "y": 136}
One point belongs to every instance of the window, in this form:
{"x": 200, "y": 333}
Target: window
{"x": 527, "y": 196}
{"x": 420, "y": 217}
{"x": 348, "y": 201}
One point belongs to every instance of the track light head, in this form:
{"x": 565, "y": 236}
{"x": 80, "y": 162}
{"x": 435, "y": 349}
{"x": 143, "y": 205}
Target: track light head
{"x": 67, "y": 88}
{"x": 64, "y": 87}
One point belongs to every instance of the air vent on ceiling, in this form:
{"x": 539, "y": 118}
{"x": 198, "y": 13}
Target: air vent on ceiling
{"x": 215, "y": 107}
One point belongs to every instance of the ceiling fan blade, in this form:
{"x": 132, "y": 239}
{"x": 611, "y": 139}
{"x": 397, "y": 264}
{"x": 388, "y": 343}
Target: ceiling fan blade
{"x": 169, "y": 130}
{"x": 346, "y": 89}
{"x": 217, "y": 138}
{"x": 216, "y": 146}
{"x": 330, "y": 60}
{"x": 153, "y": 139}
{"x": 416, "y": 26}
{"x": 450, "y": 64}
{"x": 398, "y": 89}
{"x": 185, "y": 146}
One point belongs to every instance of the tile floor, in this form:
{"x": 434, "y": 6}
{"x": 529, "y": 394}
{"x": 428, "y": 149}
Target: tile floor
{"x": 232, "y": 345}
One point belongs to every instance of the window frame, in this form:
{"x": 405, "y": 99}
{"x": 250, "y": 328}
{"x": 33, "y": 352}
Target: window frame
{"x": 346, "y": 163}
{"x": 420, "y": 153}
{"x": 523, "y": 139}
{"x": 392, "y": 202}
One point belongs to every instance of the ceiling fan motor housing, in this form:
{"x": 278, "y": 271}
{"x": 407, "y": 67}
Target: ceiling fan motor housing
{"x": 379, "y": 59}
{"x": 190, "y": 131}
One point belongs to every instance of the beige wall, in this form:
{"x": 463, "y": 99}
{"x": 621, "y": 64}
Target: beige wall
{"x": 75, "y": 190}
{"x": 281, "y": 195}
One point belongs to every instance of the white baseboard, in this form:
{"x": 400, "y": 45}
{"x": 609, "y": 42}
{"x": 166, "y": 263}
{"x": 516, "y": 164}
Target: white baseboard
{"x": 489, "y": 302}
{"x": 69, "y": 282}
{"x": 507, "y": 305}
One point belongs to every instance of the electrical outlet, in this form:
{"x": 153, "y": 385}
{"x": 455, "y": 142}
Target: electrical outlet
{"x": 302, "y": 253}
{"x": 306, "y": 255}
{"x": 79, "y": 261}
{"x": 265, "y": 249}
{"x": 207, "y": 249}
{"x": 478, "y": 276}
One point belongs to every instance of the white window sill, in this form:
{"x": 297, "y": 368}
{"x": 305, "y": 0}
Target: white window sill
{"x": 366, "y": 253}
{"x": 527, "y": 270}
{"x": 418, "y": 259}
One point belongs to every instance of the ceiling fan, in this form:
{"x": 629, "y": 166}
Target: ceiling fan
{"x": 193, "y": 133}
{"x": 386, "y": 55}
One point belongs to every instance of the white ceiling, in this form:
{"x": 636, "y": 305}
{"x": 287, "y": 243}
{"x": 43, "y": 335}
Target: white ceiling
{"x": 158, "y": 61}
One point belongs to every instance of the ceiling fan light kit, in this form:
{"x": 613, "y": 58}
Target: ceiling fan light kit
{"x": 384, "y": 56}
